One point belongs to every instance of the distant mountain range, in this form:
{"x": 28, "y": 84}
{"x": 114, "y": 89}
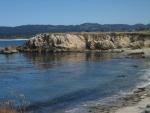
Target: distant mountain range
{"x": 30, "y": 30}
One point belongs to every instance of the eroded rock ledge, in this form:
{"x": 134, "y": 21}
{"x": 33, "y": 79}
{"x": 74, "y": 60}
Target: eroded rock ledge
{"x": 59, "y": 42}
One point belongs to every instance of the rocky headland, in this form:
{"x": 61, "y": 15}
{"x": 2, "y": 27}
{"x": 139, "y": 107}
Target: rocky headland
{"x": 65, "y": 42}
{"x": 81, "y": 42}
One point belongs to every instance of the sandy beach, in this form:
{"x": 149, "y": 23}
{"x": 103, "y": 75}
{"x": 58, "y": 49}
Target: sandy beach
{"x": 138, "y": 108}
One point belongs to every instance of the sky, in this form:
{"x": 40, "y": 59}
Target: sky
{"x": 71, "y": 12}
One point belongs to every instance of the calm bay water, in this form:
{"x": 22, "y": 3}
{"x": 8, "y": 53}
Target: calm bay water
{"x": 58, "y": 82}
{"x": 11, "y": 42}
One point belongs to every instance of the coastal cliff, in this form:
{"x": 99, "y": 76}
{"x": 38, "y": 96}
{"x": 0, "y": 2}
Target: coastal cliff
{"x": 59, "y": 42}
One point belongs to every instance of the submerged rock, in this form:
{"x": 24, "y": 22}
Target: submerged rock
{"x": 135, "y": 66}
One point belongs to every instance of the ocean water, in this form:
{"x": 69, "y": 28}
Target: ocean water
{"x": 11, "y": 42}
{"x": 61, "y": 82}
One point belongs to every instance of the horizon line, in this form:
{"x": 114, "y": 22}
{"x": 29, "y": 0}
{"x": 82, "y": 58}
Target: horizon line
{"x": 73, "y": 24}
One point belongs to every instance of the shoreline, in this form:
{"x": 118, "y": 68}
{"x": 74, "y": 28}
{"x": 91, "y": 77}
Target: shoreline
{"x": 136, "y": 101}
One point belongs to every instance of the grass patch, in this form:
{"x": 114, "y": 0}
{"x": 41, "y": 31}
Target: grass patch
{"x": 4, "y": 110}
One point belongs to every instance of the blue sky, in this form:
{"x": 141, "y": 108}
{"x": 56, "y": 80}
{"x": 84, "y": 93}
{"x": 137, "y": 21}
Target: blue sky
{"x": 65, "y": 12}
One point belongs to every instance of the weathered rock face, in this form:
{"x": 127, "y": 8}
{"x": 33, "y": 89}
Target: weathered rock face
{"x": 57, "y": 41}
{"x": 86, "y": 41}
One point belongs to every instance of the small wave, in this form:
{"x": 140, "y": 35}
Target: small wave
{"x": 78, "y": 109}
{"x": 63, "y": 100}
{"x": 83, "y": 107}
{"x": 13, "y": 39}
{"x": 72, "y": 110}
{"x": 145, "y": 79}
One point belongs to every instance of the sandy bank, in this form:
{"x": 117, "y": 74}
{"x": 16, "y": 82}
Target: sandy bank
{"x": 138, "y": 108}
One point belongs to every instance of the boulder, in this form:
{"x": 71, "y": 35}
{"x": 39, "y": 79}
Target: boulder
{"x": 105, "y": 45}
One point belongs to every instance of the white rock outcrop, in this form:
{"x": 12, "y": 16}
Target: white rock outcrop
{"x": 87, "y": 41}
